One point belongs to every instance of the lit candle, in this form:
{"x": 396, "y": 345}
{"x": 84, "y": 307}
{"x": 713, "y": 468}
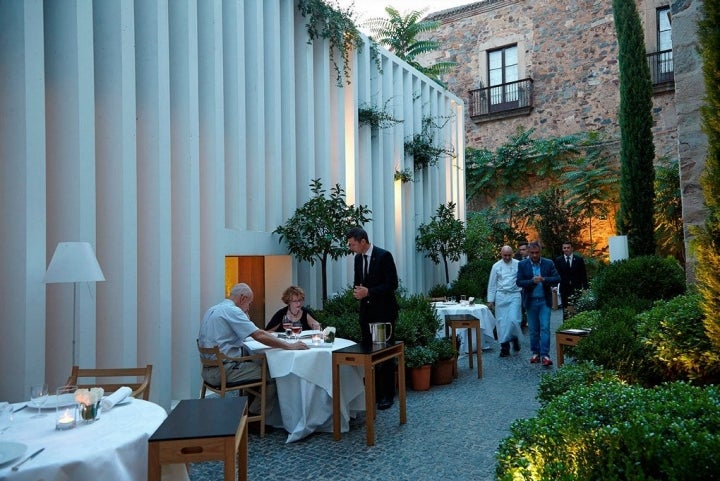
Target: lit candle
{"x": 317, "y": 338}
{"x": 65, "y": 421}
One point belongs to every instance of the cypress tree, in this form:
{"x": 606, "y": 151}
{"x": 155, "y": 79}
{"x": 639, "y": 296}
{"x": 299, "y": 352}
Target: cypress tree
{"x": 707, "y": 242}
{"x": 637, "y": 151}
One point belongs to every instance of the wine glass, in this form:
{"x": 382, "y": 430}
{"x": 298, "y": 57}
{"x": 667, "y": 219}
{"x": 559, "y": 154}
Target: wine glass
{"x": 287, "y": 325}
{"x": 6, "y": 416}
{"x": 297, "y": 329}
{"x": 38, "y": 396}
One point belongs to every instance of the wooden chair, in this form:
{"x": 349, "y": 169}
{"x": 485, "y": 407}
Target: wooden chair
{"x": 213, "y": 357}
{"x": 136, "y": 378}
{"x": 437, "y": 299}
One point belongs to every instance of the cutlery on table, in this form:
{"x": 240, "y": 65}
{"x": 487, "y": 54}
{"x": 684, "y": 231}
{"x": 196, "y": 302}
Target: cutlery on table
{"x": 20, "y": 408}
{"x": 17, "y": 466}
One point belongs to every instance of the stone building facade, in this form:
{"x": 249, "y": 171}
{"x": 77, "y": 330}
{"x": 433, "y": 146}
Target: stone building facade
{"x": 556, "y": 62}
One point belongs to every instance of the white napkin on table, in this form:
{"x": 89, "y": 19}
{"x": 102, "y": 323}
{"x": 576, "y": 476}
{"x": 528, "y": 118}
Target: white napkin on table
{"x": 116, "y": 397}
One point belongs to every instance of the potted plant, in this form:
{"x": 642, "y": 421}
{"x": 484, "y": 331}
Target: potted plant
{"x": 443, "y": 369}
{"x": 418, "y": 360}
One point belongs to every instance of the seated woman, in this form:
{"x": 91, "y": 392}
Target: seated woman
{"x": 294, "y": 297}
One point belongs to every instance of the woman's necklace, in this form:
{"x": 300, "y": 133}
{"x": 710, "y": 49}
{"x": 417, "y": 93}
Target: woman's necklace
{"x": 294, "y": 315}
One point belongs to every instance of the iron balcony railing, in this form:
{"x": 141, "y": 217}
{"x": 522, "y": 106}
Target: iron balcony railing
{"x": 661, "y": 67}
{"x": 505, "y": 97}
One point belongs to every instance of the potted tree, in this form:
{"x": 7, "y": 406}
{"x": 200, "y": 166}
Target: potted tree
{"x": 442, "y": 371}
{"x": 418, "y": 360}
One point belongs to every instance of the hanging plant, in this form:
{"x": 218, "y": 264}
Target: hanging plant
{"x": 421, "y": 146}
{"x": 337, "y": 26}
{"x": 404, "y": 175}
{"x": 375, "y": 116}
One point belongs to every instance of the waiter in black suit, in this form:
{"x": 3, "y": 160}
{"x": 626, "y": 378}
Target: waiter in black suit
{"x": 573, "y": 276}
{"x": 375, "y": 282}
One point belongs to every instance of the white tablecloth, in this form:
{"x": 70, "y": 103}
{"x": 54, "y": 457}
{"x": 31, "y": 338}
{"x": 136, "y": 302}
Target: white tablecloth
{"x": 113, "y": 447}
{"x": 304, "y": 388}
{"x": 478, "y": 311}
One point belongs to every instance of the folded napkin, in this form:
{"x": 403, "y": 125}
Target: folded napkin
{"x": 116, "y": 397}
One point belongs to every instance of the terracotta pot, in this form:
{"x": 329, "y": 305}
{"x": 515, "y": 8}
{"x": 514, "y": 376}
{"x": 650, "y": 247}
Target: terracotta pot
{"x": 420, "y": 378}
{"x": 443, "y": 372}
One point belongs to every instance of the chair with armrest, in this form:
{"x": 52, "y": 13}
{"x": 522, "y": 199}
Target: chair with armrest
{"x": 213, "y": 357}
{"x": 136, "y": 378}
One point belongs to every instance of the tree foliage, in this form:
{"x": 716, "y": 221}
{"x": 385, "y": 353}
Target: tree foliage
{"x": 668, "y": 211}
{"x": 707, "y": 242}
{"x": 399, "y": 33}
{"x": 443, "y": 238}
{"x": 316, "y": 231}
{"x": 637, "y": 151}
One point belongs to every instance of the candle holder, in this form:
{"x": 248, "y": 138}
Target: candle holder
{"x": 65, "y": 408}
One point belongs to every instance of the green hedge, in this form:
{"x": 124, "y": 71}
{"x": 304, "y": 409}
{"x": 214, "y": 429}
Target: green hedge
{"x": 675, "y": 334}
{"x": 638, "y": 282}
{"x": 608, "y": 431}
{"x": 417, "y": 323}
{"x": 473, "y": 279}
{"x": 559, "y": 382}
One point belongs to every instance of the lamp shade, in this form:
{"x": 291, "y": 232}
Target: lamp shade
{"x": 73, "y": 262}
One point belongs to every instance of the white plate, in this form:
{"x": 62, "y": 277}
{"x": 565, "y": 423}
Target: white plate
{"x": 11, "y": 451}
{"x": 51, "y": 402}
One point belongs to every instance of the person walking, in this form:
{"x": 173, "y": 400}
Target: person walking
{"x": 375, "y": 281}
{"x": 573, "y": 277}
{"x": 503, "y": 295}
{"x": 537, "y": 276}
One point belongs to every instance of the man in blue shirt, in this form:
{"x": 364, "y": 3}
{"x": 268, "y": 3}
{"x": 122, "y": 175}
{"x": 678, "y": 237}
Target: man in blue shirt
{"x": 537, "y": 276}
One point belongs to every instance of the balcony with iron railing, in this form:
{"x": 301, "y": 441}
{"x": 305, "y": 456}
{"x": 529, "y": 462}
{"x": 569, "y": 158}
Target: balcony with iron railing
{"x": 501, "y": 101}
{"x": 662, "y": 72}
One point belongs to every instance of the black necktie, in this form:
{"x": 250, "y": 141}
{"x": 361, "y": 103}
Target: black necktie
{"x": 365, "y": 267}
{"x": 568, "y": 259}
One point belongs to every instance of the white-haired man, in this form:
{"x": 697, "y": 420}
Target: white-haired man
{"x": 504, "y": 295}
{"x": 226, "y": 325}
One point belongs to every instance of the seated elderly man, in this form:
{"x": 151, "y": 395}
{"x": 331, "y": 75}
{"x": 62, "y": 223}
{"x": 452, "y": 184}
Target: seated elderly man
{"x": 226, "y": 325}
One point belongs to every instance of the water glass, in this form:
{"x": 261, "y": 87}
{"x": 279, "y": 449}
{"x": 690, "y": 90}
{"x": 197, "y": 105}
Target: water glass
{"x": 39, "y": 396}
{"x": 6, "y": 416}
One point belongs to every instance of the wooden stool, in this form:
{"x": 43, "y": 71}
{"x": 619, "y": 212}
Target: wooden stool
{"x": 457, "y": 321}
{"x": 202, "y": 430}
{"x": 567, "y": 337}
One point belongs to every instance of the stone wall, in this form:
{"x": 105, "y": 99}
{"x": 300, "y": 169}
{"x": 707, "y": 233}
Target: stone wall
{"x": 569, "y": 49}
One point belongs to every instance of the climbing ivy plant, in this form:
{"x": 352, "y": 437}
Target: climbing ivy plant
{"x": 337, "y": 26}
{"x": 422, "y": 147}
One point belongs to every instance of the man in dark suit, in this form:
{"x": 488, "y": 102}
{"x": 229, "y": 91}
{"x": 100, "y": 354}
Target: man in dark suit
{"x": 573, "y": 276}
{"x": 537, "y": 276}
{"x": 375, "y": 282}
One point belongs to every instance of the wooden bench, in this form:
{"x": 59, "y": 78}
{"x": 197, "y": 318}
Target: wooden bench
{"x": 202, "y": 430}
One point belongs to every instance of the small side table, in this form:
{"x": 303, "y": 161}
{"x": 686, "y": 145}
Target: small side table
{"x": 459, "y": 321}
{"x": 567, "y": 337}
{"x": 202, "y": 430}
{"x": 368, "y": 356}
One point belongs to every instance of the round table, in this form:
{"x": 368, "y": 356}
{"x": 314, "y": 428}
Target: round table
{"x": 113, "y": 447}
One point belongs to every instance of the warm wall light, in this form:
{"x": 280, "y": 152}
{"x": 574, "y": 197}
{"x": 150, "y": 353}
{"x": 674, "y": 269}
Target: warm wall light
{"x": 74, "y": 262}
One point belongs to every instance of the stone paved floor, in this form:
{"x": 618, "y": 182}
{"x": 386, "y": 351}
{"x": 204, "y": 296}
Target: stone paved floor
{"x": 452, "y": 431}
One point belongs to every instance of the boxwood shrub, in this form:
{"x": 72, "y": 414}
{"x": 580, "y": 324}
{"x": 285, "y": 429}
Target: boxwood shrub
{"x": 559, "y": 382}
{"x": 638, "y": 282}
{"x": 608, "y": 431}
{"x": 675, "y": 334}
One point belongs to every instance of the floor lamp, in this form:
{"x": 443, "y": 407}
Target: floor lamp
{"x": 74, "y": 262}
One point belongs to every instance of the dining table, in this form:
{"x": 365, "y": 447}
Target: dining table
{"x": 304, "y": 383}
{"x": 114, "y": 446}
{"x": 476, "y": 310}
